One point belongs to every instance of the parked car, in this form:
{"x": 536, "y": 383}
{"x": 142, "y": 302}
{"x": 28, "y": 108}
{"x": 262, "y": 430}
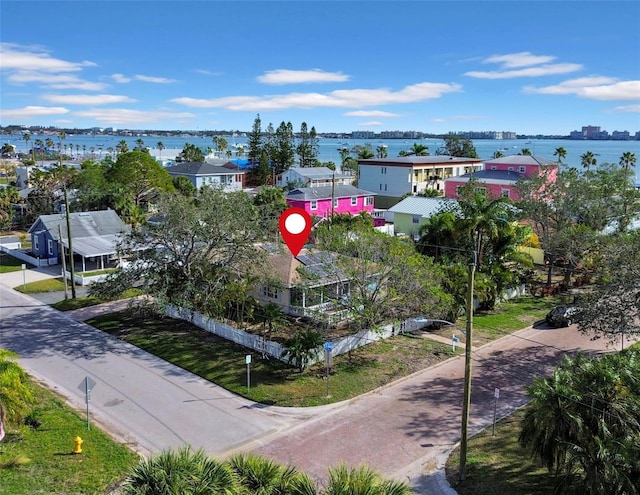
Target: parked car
{"x": 561, "y": 316}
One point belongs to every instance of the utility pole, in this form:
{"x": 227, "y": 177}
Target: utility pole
{"x": 466, "y": 399}
{"x": 69, "y": 239}
{"x": 64, "y": 262}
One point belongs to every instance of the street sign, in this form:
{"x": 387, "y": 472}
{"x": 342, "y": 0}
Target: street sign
{"x": 328, "y": 346}
{"x": 247, "y": 359}
{"x": 496, "y": 393}
{"x": 86, "y": 385}
{"x": 454, "y": 342}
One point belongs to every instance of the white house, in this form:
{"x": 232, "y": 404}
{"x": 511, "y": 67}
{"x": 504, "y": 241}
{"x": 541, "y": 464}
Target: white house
{"x": 221, "y": 174}
{"x": 313, "y": 177}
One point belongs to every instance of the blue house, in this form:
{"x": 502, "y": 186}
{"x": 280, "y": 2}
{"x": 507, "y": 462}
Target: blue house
{"x": 94, "y": 235}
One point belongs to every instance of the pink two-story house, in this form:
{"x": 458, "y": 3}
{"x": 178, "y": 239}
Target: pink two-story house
{"x": 325, "y": 201}
{"x": 501, "y": 175}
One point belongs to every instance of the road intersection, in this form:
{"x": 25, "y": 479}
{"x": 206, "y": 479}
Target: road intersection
{"x": 403, "y": 430}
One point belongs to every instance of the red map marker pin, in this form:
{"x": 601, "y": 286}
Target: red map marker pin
{"x": 295, "y": 227}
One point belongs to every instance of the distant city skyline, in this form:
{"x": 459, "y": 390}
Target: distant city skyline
{"x": 530, "y": 67}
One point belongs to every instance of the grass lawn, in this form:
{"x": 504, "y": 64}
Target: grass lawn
{"x": 53, "y": 468}
{"x": 47, "y": 285}
{"x": 85, "y": 301}
{"x": 10, "y": 264}
{"x": 497, "y": 465}
{"x": 273, "y": 382}
{"x": 506, "y": 318}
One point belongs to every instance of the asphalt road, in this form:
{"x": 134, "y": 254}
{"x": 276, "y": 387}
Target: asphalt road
{"x": 403, "y": 430}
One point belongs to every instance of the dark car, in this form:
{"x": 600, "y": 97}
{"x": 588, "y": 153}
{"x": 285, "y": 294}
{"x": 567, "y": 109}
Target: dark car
{"x": 561, "y": 316}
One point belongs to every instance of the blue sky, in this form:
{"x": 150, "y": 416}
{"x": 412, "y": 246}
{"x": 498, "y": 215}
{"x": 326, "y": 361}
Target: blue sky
{"x": 528, "y": 67}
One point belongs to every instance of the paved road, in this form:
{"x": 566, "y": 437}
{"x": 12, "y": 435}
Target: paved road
{"x": 141, "y": 399}
{"x": 404, "y": 430}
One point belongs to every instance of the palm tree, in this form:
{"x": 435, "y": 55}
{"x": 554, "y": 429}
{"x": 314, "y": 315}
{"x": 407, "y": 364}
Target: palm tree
{"x": 38, "y": 143}
{"x": 259, "y": 475}
{"x": 628, "y": 160}
{"x": 139, "y": 144}
{"x": 525, "y": 151}
{"x": 27, "y": 137}
{"x": 300, "y": 348}
{"x": 160, "y": 146}
{"x": 497, "y": 154}
{"x": 561, "y": 153}
{"x": 419, "y": 150}
{"x": 49, "y": 143}
{"x": 61, "y": 137}
{"x": 272, "y": 315}
{"x": 362, "y": 481}
{"x": 15, "y": 392}
{"x": 587, "y": 160}
{"x": 381, "y": 151}
{"x": 183, "y": 471}
{"x": 122, "y": 146}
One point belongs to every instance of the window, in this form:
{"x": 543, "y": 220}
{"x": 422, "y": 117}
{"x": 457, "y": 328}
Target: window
{"x": 383, "y": 170}
{"x": 314, "y": 205}
{"x": 50, "y": 246}
{"x": 270, "y": 292}
{"x": 523, "y": 169}
{"x": 381, "y": 187}
{"x": 36, "y": 243}
{"x": 510, "y": 169}
{"x": 481, "y": 190}
{"x": 504, "y": 193}
{"x": 415, "y": 219}
{"x": 385, "y": 187}
{"x": 458, "y": 190}
{"x": 354, "y": 200}
{"x": 368, "y": 201}
{"x": 335, "y": 202}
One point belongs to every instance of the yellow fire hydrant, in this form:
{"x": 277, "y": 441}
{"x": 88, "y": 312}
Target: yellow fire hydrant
{"x": 78, "y": 445}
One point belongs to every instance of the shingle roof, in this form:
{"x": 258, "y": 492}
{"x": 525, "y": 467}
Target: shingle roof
{"x": 417, "y": 205}
{"x": 203, "y": 168}
{"x": 327, "y": 192}
{"x": 83, "y": 224}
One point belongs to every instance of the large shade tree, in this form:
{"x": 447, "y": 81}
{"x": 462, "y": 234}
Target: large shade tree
{"x": 189, "y": 258}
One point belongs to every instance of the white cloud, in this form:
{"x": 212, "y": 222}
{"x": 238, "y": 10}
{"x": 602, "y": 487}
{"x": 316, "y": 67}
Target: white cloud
{"x": 31, "y": 111}
{"x": 152, "y": 79}
{"x": 19, "y": 57}
{"x": 625, "y": 108}
{"x": 371, "y": 123}
{"x": 120, "y": 78}
{"x": 57, "y": 81}
{"x": 542, "y": 70}
{"x": 593, "y": 88}
{"x": 125, "y": 116}
{"x": 284, "y": 76}
{"x": 205, "y": 72}
{"x": 348, "y": 98}
{"x": 521, "y": 59}
{"x": 371, "y": 113}
{"x": 87, "y": 99}
{"x": 438, "y": 120}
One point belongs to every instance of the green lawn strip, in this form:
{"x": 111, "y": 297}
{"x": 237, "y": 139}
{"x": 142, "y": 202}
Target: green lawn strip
{"x": 10, "y": 264}
{"x": 507, "y": 318}
{"x": 86, "y": 301}
{"x": 271, "y": 381}
{"x": 53, "y": 468}
{"x": 498, "y": 465}
{"x": 40, "y": 286}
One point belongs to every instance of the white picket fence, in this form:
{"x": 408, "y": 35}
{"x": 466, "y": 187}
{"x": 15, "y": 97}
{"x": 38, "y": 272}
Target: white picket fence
{"x": 23, "y": 256}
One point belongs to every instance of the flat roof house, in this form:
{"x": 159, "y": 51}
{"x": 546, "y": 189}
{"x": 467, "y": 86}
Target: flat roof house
{"x": 393, "y": 178}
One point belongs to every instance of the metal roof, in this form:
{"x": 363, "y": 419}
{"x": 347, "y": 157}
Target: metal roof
{"x": 520, "y": 160}
{"x": 203, "y": 168}
{"x": 327, "y": 192}
{"x": 425, "y": 207}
